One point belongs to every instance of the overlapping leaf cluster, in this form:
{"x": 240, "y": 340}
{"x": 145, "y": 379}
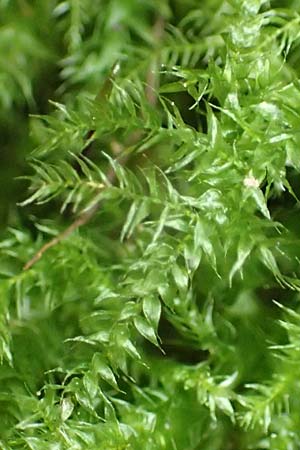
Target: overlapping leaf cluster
{"x": 154, "y": 324}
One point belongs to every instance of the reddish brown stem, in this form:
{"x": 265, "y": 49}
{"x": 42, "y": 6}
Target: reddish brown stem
{"x": 84, "y": 218}
{"x": 81, "y": 220}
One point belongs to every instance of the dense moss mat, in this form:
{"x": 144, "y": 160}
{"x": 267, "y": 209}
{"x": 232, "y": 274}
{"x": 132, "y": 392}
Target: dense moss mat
{"x": 149, "y": 184}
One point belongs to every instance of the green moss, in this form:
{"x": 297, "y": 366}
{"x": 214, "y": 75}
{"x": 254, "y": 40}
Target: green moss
{"x": 165, "y": 312}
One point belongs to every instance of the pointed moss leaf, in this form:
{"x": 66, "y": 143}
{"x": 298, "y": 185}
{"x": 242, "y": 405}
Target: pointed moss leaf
{"x": 119, "y": 171}
{"x": 86, "y": 401}
{"x": 172, "y": 192}
{"x": 212, "y": 407}
{"x": 140, "y": 214}
{"x": 267, "y": 418}
{"x": 202, "y": 241}
{"x": 5, "y": 351}
{"x": 224, "y": 404}
{"x": 130, "y": 309}
{"x": 161, "y": 224}
{"x": 244, "y": 249}
{"x": 67, "y": 407}
{"x": 129, "y": 220}
{"x": 152, "y": 310}
{"x": 177, "y": 224}
{"x": 168, "y": 293}
{"x": 184, "y": 161}
{"x": 145, "y": 329}
{"x": 288, "y": 186}
{"x": 61, "y": 107}
{"x": 110, "y": 413}
{"x": 199, "y": 235}
{"x": 192, "y": 256}
{"x": 101, "y": 368}
{"x": 131, "y": 349}
{"x": 151, "y": 179}
{"x": 269, "y": 260}
{"x": 180, "y": 277}
{"x": 34, "y": 197}
{"x": 91, "y": 385}
{"x": 290, "y": 312}
{"x": 214, "y": 131}
{"x": 259, "y": 199}
{"x": 5, "y": 333}
{"x": 229, "y": 381}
